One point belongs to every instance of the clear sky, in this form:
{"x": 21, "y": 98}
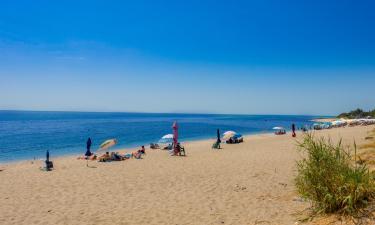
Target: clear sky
{"x": 253, "y": 57}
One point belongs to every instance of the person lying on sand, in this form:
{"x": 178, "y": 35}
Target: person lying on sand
{"x": 117, "y": 157}
{"x": 105, "y": 157}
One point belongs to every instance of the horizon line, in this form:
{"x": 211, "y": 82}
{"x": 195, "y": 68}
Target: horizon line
{"x": 182, "y": 113}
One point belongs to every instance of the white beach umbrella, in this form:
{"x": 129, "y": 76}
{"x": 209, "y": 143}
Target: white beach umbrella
{"x": 228, "y": 134}
{"x": 278, "y": 128}
{"x": 167, "y": 136}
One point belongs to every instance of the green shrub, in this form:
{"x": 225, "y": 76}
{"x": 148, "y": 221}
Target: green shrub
{"x": 358, "y": 113}
{"x": 330, "y": 179}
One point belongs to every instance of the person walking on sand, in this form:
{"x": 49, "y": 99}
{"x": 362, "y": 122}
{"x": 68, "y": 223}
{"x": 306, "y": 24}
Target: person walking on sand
{"x": 88, "y": 147}
{"x": 293, "y": 130}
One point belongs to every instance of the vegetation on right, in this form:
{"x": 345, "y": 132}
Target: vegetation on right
{"x": 331, "y": 179}
{"x": 358, "y": 113}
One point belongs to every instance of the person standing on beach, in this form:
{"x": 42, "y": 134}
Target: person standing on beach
{"x": 293, "y": 130}
{"x": 88, "y": 147}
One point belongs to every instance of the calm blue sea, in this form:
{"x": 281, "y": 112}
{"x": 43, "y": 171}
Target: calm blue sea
{"x": 27, "y": 134}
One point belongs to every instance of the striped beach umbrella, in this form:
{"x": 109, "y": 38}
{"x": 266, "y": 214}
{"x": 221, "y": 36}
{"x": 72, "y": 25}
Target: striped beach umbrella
{"x": 107, "y": 144}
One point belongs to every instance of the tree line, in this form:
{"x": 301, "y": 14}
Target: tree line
{"x": 358, "y": 113}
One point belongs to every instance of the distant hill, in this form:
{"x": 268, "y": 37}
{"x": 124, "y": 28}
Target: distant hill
{"x": 358, "y": 113}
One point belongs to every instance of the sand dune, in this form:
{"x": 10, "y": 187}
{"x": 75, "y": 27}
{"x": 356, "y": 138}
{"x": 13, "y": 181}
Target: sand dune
{"x": 249, "y": 183}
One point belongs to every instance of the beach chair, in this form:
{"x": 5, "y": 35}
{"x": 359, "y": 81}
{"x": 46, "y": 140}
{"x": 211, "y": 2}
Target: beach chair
{"x": 49, "y": 165}
{"x": 180, "y": 150}
{"x": 216, "y": 145}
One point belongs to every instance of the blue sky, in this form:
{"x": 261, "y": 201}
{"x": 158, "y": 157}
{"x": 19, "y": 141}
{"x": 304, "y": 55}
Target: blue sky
{"x": 253, "y": 57}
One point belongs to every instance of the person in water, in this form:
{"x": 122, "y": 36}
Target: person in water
{"x": 88, "y": 148}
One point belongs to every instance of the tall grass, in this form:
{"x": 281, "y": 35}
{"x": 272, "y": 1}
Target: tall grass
{"x": 330, "y": 179}
{"x": 371, "y": 141}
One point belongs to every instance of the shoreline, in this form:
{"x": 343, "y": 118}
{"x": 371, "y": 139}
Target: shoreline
{"x": 130, "y": 149}
{"x": 124, "y": 149}
{"x": 66, "y": 133}
{"x": 121, "y": 150}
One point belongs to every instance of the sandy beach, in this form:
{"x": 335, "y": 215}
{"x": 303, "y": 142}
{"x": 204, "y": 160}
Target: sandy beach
{"x": 248, "y": 183}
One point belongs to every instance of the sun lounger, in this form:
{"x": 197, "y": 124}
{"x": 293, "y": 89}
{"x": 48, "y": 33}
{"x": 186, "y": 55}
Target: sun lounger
{"x": 48, "y": 167}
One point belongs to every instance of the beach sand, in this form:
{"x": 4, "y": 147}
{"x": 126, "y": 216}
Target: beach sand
{"x": 248, "y": 183}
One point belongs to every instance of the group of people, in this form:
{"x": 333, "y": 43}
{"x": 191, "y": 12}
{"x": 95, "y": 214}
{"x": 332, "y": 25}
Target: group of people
{"x": 282, "y": 131}
{"x": 113, "y": 156}
{"x": 234, "y": 140}
{"x": 174, "y": 150}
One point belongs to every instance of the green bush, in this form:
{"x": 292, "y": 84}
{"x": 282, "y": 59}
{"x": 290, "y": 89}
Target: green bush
{"x": 330, "y": 179}
{"x": 358, "y": 113}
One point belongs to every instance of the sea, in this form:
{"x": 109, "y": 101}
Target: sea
{"x": 26, "y": 135}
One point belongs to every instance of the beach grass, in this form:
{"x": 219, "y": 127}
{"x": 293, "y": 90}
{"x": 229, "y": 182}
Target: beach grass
{"x": 330, "y": 178}
{"x": 367, "y": 151}
{"x": 371, "y": 141}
